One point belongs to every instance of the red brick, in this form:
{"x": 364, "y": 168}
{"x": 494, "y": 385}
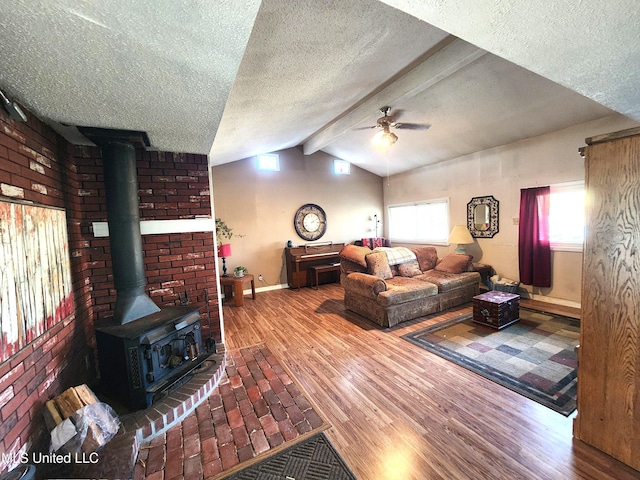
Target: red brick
{"x": 254, "y": 394}
{"x": 245, "y": 407}
{"x": 228, "y": 456}
{"x": 193, "y": 468}
{"x": 223, "y": 434}
{"x": 278, "y": 412}
{"x": 240, "y": 437}
{"x": 288, "y": 430}
{"x": 286, "y": 399}
{"x": 191, "y": 445}
{"x": 251, "y": 423}
{"x": 156, "y": 460}
{"x": 269, "y": 425}
{"x": 259, "y": 441}
{"x": 275, "y": 440}
{"x": 212, "y": 468}
{"x": 261, "y": 408}
{"x": 245, "y": 453}
{"x": 209, "y": 450}
{"x": 174, "y": 465}
{"x": 235, "y": 418}
{"x": 276, "y": 385}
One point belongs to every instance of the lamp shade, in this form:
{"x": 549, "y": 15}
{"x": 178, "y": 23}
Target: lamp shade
{"x": 224, "y": 250}
{"x": 460, "y": 235}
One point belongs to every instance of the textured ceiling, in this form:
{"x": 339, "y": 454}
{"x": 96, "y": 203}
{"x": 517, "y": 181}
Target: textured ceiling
{"x": 237, "y": 78}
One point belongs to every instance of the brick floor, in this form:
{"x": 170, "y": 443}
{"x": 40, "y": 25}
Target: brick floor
{"x": 256, "y": 407}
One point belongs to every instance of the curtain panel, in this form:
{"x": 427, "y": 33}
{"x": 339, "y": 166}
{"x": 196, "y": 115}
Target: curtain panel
{"x": 534, "y": 248}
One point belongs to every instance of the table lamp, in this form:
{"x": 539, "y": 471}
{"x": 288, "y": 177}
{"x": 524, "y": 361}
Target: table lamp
{"x": 460, "y": 235}
{"x": 224, "y": 251}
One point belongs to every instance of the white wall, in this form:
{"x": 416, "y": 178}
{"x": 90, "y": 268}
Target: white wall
{"x": 502, "y": 172}
{"x": 261, "y": 206}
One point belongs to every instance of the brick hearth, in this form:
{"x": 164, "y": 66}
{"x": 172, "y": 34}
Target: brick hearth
{"x": 256, "y": 408}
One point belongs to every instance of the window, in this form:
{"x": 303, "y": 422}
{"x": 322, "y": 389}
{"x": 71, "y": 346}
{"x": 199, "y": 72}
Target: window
{"x": 566, "y": 216}
{"x": 341, "y": 167}
{"x": 269, "y": 161}
{"x": 423, "y": 222}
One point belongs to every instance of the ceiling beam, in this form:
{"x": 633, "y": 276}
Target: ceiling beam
{"x": 444, "y": 63}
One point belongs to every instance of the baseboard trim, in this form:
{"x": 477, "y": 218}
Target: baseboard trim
{"x": 553, "y": 300}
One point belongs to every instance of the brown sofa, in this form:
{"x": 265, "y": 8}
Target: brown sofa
{"x": 393, "y": 285}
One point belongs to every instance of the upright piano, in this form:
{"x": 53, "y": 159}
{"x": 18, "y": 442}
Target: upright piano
{"x": 299, "y": 259}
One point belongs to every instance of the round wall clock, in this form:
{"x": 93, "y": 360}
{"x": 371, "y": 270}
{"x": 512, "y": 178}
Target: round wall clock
{"x": 310, "y": 222}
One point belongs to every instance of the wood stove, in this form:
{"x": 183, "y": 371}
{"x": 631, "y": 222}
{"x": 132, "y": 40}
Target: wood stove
{"x": 149, "y": 355}
{"x": 145, "y": 349}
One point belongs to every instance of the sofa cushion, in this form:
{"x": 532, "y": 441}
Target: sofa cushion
{"x": 454, "y": 263}
{"x": 355, "y": 253}
{"x": 427, "y": 257}
{"x": 409, "y": 269}
{"x": 403, "y": 289}
{"x": 449, "y": 281}
{"x": 378, "y": 265}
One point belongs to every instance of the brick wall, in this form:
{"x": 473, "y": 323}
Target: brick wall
{"x": 172, "y": 186}
{"x": 36, "y": 165}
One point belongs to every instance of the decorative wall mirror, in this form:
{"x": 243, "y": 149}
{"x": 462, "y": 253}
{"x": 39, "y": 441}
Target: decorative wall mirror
{"x": 482, "y": 216}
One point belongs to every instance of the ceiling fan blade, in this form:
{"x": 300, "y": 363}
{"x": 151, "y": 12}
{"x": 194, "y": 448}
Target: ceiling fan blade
{"x": 412, "y": 126}
{"x": 366, "y": 128}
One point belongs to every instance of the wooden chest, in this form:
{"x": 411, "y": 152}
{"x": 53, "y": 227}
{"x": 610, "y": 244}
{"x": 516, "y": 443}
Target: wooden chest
{"x": 496, "y": 309}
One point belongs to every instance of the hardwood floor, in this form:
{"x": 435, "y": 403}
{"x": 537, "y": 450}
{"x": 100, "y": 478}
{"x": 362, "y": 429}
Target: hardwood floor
{"x": 400, "y": 412}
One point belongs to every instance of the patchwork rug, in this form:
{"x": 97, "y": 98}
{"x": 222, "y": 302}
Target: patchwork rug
{"x": 312, "y": 459}
{"x": 535, "y": 357}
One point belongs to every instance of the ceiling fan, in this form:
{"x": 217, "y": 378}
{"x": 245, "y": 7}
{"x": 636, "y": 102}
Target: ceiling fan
{"x": 386, "y": 138}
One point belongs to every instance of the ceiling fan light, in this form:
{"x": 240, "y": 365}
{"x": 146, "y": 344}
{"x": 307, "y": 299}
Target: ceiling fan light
{"x": 385, "y": 138}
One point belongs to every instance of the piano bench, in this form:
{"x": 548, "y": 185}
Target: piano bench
{"x": 317, "y": 269}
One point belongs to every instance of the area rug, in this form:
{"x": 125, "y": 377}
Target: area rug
{"x": 535, "y": 357}
{"x": 311, "y": 459}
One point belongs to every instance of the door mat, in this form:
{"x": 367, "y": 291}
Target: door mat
{"x": 311, "y": 459}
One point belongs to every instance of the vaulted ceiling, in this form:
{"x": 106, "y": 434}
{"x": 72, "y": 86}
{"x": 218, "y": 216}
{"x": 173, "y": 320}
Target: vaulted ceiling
{"x": 236, "y": 79}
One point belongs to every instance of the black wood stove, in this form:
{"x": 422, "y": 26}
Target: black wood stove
{"x": 144, "y": 350}
{"x": 149, "y": 355}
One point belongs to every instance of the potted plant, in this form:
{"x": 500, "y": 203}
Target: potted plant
{"x": 223, "y": 231}
{"x": 239, "y": 271}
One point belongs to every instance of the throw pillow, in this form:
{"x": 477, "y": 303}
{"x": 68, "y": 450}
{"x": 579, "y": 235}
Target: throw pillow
{"x": 409, "y": 269}
{"x": 427, "y": 257}
{"x": 355, "y": 254}
{"x": 454, "y": 263}
{"x": 378, "y": 265}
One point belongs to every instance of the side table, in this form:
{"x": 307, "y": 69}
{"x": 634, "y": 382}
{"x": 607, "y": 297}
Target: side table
{"x": 234, "y": 287}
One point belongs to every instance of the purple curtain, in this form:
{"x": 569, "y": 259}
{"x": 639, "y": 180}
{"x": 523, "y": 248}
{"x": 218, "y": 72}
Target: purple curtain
{"x": 534, "y": 249}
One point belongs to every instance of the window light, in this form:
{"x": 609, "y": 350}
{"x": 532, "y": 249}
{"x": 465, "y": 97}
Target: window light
{"x": 341, "y": 167}
{"x": 269, "y": 162}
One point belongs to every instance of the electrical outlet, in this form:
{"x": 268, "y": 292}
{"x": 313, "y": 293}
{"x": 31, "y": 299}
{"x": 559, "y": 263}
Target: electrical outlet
{"x": 260, "y": 277}
{"x": 516, "y": 221}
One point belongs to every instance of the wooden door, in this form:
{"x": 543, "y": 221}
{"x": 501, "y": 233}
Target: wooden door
{"x": 609, "y": 356}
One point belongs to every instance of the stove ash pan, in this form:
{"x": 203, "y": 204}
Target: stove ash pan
{"x": 147, "y": 356}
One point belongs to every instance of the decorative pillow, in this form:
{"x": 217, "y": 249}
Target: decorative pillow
{"x": 378, "y": 265}
{"x": 355, "y": 254}
{"x": 409, "y": 269}
{"x": 427, "y": 257}
{"x": 454, "y": 263}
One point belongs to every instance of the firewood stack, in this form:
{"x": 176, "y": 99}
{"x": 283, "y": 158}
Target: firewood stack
{"x": 65, "y": 408}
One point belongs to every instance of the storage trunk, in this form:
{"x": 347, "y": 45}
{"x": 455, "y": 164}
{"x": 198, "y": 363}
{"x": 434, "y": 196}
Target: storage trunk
{"x": 496, "y": 309}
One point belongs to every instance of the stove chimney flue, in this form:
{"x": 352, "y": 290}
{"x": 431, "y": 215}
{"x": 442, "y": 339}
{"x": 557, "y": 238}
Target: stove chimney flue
{"x": 123, "y": 217}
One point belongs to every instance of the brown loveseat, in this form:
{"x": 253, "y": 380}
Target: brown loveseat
{"x": 393, "y": 285}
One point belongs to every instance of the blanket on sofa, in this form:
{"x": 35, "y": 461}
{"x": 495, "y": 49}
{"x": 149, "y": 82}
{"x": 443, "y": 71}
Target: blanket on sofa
{"x": 397, "y": 255}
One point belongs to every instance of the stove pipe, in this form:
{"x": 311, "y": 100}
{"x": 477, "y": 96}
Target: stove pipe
{"x": 123, "y": 216}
